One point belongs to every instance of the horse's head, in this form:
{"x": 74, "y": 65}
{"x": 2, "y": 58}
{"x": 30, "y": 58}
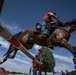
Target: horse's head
{"x": 71, "y": 24}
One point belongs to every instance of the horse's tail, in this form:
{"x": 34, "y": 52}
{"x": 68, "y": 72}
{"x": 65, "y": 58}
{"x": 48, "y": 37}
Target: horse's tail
{"x": 16, "y": 36}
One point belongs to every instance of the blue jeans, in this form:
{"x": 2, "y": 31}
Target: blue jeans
{"x": 35, "y": 70}
{"x": 44, "y": 27}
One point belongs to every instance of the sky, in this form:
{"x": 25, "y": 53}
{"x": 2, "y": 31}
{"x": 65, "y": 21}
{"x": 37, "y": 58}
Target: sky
{"x": 19, "y": 15}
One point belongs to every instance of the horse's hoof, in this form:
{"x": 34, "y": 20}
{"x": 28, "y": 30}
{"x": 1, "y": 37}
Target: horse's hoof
{"x": 74, "y": 60}
{"x": 1, "y": 61}
{"x": 11, "y": 57}
{"x": 75, "y": 66}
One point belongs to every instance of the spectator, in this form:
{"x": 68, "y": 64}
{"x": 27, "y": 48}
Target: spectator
{"x": 35, "y": 65}
{"x": 66, "y": 72}
{"x": 30, "y": 70}
{"x": 62, "y": 72}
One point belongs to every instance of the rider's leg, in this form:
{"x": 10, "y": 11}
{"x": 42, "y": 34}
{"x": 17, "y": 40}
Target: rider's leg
{"x": 44, "y": 29}
{"x": 35, "y": 71}
{"x": 14, "y": 54}
{"x": 49, "y": 42}
{"x": 43, "y": 23}
{"x": 49, "y": 36}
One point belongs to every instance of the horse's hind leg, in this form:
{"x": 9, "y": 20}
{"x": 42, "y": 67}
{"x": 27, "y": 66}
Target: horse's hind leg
{"x": 6, "y": 57}
{"x": 13, "y": 56}
{"x": 10, "y": 50}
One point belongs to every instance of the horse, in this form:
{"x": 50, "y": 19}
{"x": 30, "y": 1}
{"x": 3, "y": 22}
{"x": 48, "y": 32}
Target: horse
{"x": 59, "y": 37}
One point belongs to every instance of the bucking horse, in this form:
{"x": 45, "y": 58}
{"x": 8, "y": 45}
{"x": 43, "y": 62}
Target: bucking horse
{"x": 59, "y": 37}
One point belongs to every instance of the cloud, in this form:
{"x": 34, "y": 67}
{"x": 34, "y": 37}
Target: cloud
{"x": 12, "y": 27}
{"x": 64, "y": 58}
{"x": 62, "y": 66}
{"x": 37, "y": 47}
{"x": 22, "y": 61}
{"x": 4, "y": 43}
{"x": 24, "y": 54}
{"x": 16, "y": 66}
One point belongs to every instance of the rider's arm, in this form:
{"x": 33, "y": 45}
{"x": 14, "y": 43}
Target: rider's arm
{"x": 54, "y": 16}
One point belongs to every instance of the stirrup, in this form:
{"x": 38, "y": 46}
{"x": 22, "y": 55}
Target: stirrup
{"x": 45, "y": 35}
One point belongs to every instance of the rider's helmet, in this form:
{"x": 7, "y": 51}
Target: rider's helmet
{"x": 38, "y": 27}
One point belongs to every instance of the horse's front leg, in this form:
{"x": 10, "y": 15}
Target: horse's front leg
{"x": 71, "y": 48}
{"x": 64, "y": 43}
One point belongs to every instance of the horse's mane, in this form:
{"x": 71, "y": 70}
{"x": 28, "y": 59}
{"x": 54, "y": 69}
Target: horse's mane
{"x": 70, "y": 22}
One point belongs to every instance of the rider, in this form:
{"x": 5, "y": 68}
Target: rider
{"x": 46, "y": 20}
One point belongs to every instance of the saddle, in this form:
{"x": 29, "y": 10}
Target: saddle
{"x": 50, "y": 29}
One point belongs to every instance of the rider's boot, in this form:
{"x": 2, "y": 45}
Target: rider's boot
{"x": 49, "y": 43}
{"x": 45, "y": 33}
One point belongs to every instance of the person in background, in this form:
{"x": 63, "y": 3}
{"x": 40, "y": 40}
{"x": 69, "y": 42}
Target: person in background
{"x": 35, "y": 65}
{"x": 30, "y": 70}
{"x": 62, "y": 72}
{"x": 67, "y": 72}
